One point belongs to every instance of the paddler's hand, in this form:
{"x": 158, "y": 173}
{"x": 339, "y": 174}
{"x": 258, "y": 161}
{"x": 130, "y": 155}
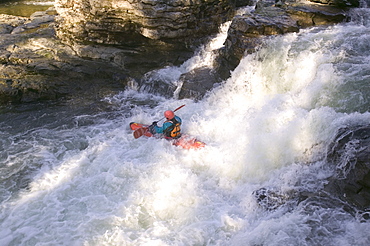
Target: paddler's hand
{"x": 151, "y": 127}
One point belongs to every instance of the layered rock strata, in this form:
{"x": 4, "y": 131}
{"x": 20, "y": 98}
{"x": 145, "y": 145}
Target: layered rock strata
{"x": 137, "y": 23}
{"x": 101, "y": 42}
{"x": 151, "y": 33}
{"x": 35, "y": 65}
{"x": 247, "y": 31}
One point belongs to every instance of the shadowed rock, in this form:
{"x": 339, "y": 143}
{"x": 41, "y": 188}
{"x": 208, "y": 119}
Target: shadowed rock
{"x": 350, "y": 154}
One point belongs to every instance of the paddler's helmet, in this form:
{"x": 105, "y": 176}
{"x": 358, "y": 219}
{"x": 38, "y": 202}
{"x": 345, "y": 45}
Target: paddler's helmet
{"x": 169, "y": 114}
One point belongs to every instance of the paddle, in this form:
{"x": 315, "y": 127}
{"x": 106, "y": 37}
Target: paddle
{"x": 141, "y": 131}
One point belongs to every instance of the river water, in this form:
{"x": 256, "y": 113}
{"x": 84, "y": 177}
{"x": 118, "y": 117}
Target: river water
{"x": 72, "y": 173}
{"x": 23, "y": 7}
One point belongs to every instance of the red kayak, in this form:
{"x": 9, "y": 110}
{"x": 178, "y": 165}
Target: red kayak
{"x": 185, "y": 141}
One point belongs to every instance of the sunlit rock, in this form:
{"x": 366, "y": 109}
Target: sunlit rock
{"x": 35, "y": 65}
{"x": 9, "y": 22}
{"x": 136, "y": 23}
{"x": 270, "y": 18}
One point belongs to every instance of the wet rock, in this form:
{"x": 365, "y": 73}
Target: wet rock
{"x": 316, "y": 15}
{"x": 194, "y": 84}
{"x": 247, "y": 31}
{"x": 197, "y": 83}
{"x": 348, "y": 189}
{"x": 323, "y": 217}
{"x": 155, "y": 83}
{"x": 271, "y": 199}
{"x": 350, "y": 155}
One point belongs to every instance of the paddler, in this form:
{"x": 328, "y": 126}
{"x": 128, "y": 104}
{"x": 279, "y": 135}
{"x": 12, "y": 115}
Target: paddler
{"x": 171, "y": 128}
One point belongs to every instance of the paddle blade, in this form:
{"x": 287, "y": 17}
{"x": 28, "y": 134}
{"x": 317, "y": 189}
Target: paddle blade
{"x": 140, "y": 132}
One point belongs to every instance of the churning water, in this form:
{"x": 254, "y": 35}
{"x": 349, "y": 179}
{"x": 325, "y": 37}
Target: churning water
{"x": 73, "y": 175}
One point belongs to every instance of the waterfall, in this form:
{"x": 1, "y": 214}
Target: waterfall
{"x": 77, "y": 176}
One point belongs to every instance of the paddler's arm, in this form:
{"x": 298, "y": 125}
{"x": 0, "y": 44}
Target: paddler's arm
{"x": 162, "y": 128}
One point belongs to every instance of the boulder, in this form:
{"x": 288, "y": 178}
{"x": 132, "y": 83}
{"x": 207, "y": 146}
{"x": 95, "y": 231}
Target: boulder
{"x": 349, "y": 186}
{"x": 196, "y": 83}
{"x": 350, "y": 156}
{"x": 247, "y": 31}
{"x": 155, "y": 83}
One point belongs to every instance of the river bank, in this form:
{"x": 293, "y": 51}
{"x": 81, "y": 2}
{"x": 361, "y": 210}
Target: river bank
{"x": 40, "y": 60}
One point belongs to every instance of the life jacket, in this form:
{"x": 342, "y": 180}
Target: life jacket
{"x": 173, "y": 131}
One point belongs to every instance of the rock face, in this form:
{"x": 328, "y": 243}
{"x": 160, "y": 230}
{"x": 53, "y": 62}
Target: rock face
{"x": 88, "y": 44}
{"x": 136, "y": 23}
{"x": 151, "y": 33}
{"x": 246, "y": 33}
{"x": 35, "y": 65}
{"x": 271, "y": 19}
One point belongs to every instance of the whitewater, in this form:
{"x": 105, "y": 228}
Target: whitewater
{"x": 73, "y": 174}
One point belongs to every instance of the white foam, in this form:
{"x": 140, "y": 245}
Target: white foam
{"x": 267, "y": 126}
